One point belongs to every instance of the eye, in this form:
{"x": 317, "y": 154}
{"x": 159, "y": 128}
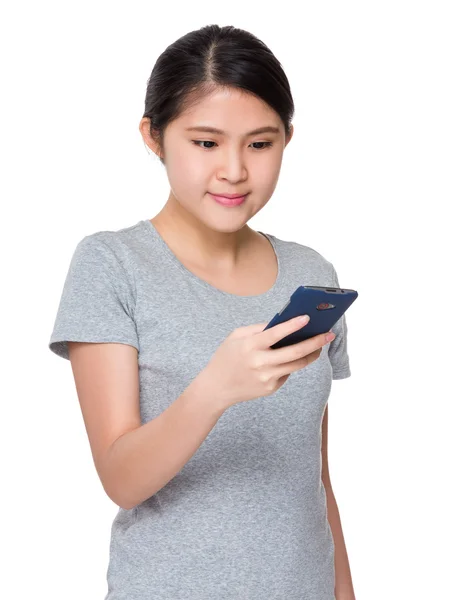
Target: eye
{"x": 267, "y": 145}
{"x": 197, "y": 142}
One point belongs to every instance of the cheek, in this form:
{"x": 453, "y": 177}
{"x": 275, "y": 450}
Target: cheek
{"x": 266, "y": 173}
{"x": 187, "y": 172}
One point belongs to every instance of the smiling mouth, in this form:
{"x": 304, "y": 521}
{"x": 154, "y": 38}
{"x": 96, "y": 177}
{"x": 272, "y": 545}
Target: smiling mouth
{"x": 229, "y": 196}
{"x": 229, "y": 201}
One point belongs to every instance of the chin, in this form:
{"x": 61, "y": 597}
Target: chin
{"x": 225, "y": 226}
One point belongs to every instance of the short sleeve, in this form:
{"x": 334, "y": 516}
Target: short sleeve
{"x": 98, "y": 299}
{"x": 337, "y": 349}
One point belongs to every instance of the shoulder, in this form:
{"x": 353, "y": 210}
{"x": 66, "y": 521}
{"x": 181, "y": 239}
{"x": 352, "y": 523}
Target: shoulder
{"x": 110, "y": 253}
{"x": 115, "y": 247}
{"x": 305, "y": 257}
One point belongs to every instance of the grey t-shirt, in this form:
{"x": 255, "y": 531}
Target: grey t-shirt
{"x": 246, "y": 517}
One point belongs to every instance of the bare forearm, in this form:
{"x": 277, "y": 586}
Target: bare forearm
{"x": 144, "y": 460}
{"x": 343, "y": 581}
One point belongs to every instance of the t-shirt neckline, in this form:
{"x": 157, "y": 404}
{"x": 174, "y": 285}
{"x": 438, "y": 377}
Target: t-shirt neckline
{"x": 174, "y": 260}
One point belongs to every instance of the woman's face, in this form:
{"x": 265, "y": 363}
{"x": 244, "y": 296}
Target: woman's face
{"x": 232, "y": 162}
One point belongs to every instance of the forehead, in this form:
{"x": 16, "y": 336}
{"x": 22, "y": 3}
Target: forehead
{"x": 231, "y": 110}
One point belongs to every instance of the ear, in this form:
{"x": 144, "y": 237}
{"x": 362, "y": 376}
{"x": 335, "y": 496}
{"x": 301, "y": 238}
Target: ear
{"x": 289, "y": 135}
{"x": 144, "y": 128}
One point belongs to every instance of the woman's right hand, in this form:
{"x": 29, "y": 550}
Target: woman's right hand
{"x": 245, "y": 367}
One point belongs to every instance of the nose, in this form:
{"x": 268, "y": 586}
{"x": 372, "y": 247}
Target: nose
{"x": 233, "y": 167}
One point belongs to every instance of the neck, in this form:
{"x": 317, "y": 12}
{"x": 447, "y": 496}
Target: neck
{"x": 200, "y": 243}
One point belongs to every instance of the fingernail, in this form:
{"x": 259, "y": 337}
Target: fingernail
{"x": 330, "y": 336}
{"x": 303, "y": 318}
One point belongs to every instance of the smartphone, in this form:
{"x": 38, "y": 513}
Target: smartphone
{"x": 324, "y": 305}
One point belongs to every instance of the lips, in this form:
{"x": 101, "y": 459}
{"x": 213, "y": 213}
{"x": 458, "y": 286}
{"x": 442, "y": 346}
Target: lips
{"x": 229, "y": 199}
{"x": 231, "y": 196}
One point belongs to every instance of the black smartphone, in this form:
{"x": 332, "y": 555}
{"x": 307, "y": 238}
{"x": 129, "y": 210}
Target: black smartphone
{"x": 324, "y": 305}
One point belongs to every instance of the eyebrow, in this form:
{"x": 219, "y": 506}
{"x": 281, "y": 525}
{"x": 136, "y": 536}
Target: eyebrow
{"x": 203, "y": 128}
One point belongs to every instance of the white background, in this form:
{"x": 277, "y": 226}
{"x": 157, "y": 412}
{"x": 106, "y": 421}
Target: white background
{"x": 370, "y": 180}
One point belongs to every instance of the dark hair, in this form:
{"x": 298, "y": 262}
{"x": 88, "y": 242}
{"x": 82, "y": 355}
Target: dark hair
{"x": 209, "y": 58}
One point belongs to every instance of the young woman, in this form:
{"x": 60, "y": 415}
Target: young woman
{"x": 212, "y": 444}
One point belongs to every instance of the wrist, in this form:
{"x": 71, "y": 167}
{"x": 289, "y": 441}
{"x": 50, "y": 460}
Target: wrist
{"x": 206, "y": 394}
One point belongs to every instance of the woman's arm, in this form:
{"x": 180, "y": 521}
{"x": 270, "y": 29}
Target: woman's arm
{"x": 343, "y": 580}
{"x": 134, "y": 461}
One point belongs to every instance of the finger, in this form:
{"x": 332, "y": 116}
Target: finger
{"x": 249, "y": 329}
{"x": 267, "y": 338}
{"x": 296, "y": 365}
{"x": 296, "y": 351}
